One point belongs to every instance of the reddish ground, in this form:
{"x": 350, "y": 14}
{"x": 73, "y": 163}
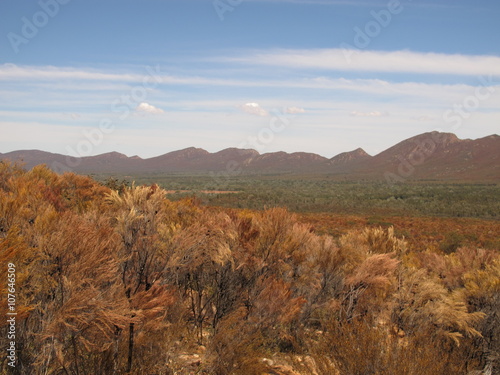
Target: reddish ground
{"x": 421, "y": 232}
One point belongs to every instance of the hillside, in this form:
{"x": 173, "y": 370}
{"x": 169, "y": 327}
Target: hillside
{"x": 441, "y": 156}
{"x": 432, "y": 156}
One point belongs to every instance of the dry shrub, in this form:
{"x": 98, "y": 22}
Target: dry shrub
{"x": 130, "y": 282}
{"x": 452, "y": 267}
{"x": 424, "y": 304}
{"x": 202, "y": 263}
{"x": 275, "y": 311}
{"x": 79, "y": 303}
{"x": 483, "y": 294}
{"x": 237, "y": 347}
{"x": 153, "y": 340}
{"x": 358, "y": 347}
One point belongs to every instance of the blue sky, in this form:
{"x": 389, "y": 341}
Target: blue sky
{"x": 326, "y": 76}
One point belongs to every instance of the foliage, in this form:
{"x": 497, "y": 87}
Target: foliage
{"x": 320, "y": 193}
{"x": 128, "y": 281}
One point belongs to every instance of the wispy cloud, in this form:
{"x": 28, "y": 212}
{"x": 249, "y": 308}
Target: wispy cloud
{"x": 294, "y": 110}
{"x": 95, "y": 81}
{"x": 375, "y": 61}
{"x": 12, "y": 72}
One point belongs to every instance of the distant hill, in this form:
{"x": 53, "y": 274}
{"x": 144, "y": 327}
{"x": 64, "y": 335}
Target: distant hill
{"x": 440, "y": 156}
{"x": 348, "y": 162}
{"x": 431, "y": 156}
{"x": 347, "y": 157}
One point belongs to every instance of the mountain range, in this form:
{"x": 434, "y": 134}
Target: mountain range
{"x": 428, "y": 156}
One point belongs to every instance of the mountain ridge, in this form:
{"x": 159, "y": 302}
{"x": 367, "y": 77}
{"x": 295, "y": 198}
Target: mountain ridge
{"x": 432, "y": 155}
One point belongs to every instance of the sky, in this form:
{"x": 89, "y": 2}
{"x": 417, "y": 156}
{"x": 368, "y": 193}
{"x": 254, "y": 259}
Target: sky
{"x": 85, "y": 77}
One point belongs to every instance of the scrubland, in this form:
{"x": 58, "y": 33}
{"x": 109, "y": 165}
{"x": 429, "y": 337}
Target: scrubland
{"x": 135, "y": 280}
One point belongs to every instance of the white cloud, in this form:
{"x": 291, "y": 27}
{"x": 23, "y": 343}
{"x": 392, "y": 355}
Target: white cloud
{"x": 148, "y": 108}
{"x": 254, "y": 109}
{"x": 48, "y": 73}
{"x": 376, "y": 61}
{"x": 99, "y": 82}
{"x": 295, "y": 110}
{"x": 369, "y": 114}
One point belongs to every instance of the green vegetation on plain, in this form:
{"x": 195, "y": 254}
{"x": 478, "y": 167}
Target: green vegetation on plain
{"x": 324, "y": 194}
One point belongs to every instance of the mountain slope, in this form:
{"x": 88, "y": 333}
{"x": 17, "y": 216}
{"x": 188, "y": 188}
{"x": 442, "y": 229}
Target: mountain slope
{"x": 434, "y": 155}
{"x": 440, "y": 156}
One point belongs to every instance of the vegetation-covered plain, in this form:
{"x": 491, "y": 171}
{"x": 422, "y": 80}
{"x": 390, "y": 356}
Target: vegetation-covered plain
{"x": 321, "y": 193}
{"x": 131, "y": 281}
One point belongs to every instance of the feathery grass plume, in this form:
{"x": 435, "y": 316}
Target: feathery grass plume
{"x": 451, "y": 268}
{"x": 367, "y": 288}
{"x": 73, "y": 295}
{"x": 326, "y": 279}
{"x": 9, "y": 171}
{"x": 281, "y": 239}
{"x": 423, "y": 304}
{"x": 140, "y": 219}
{"x": 202, "y": 253}
{"x": 88, "y": 309}
{"x": 152, "y": 326}
{"x": 482, "y": 290}
{"x": 384, "y": 241}
{"x": 369, "y": 266}
{"x": 20, "y": 201}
